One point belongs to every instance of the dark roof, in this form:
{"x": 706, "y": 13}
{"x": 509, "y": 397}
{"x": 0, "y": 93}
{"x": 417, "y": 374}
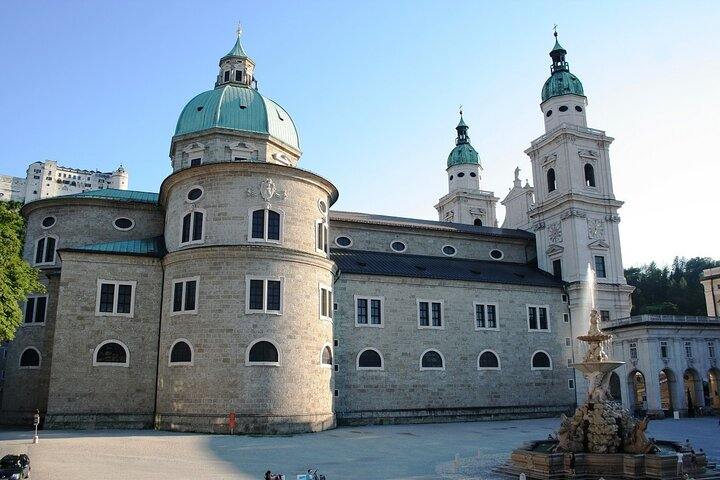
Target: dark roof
{"x": 121, "y": 195}
{"x": 386, "y": 220}
{"x": 151, "y": 247}
{"x": 421, "y": 266}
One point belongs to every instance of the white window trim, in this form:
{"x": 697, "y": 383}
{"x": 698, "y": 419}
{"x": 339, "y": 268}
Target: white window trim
{"x": 30, "y": 367}
{"x": 248, "y": 363}
{"x": 193, "y": 151}
{"x": 404, "y": 243}
{"x": 114, "y": 313}
{"x": 265, "y": 280}
{"x": 527, "y": 318}
{"x": 202, "y": 194}
{"x": 540, "y": 368}
{"x": 571, "y": 384}
{"x": 24, "y": 308}
{"x": 51, "y": 226}
{"x": 325, "y": 241}
{"x": 132, "y": 224}
{"x": 604, "y": 262}
{"x": 502, "y": 254}
{"x": 34, "y": 253}
{"x": 192, "y": 225}
{"x": 265, "y": 225}
{"x": 485, "y": 305}
{"x": 369, "y": 317}
{"x": 442, "y": 357}
{"x": 182, "y": 364}
{"x": 329, "y": 304}
{"x": 455, "y": 250}
{"x": 382, "y": 360}
{"x": 477, "y": 360}
{"x": 332, "y": 356}
{"x": 184, "y": 292}
{"x": 111, "y": 364}
{"x": 442, "y": 314}
{"x": 343, "y": 246}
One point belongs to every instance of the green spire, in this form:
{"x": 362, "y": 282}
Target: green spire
{"x": 237, "y": 50}
{"x": 463, "y": 152}
{"x": 561, "y": 81}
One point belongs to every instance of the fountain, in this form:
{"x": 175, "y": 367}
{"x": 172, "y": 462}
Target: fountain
{"x": 603, "y": 436}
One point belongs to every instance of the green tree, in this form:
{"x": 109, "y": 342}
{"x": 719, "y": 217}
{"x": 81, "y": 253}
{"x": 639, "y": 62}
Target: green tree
{"x": 17, "y": 277}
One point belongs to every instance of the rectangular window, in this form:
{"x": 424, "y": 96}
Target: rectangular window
{"x": 557, "y": 269}
{"x": 115, "y": 298}
{"x": 604, "y": 315}
{"x": 538, "y": 318}
{"x": 265, "y": 225}
{"x": 429, "y": 314}
{"x": 711, "y": 350}
{"x": 238, "y": 75}
{"x": 368, "y": 311}
{"x": 688, "y": 350}
{"x": 568, "y": 342}
{"x": 664, "y": 350}
{"x": 264, "y": 295}
{"x": 321, "y": 236}
{"x": 35, "y": 309}
{"x": 195, "y": 162}
{"x": 571, "y": 384}
{"x": 633, "y": 351}
{"x": 486, "y": 316}
{"x": 326, "y": 301}
{"x": 226, "y": 77}
{"x": 566, "y": 317}
{"x": 192, "y": 227}
{"x": 45, "y": 251}
{"x": 185, "y": 295}
{"x": 600, "y": 266}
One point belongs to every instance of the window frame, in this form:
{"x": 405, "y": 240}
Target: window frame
{"x": 497, "y": 357}
{"x": 532, "y": 358}
{"x": 382, "y": 360}
{"x": 44, "y": 262}
{"x": 602, "y": 263}
{"x": 248, "y": 363}
{"x": 633, "y": 350}
{"x": 181, "y": 364}
{"x": 547, "y": 317}
{"x": 183, "y": 299}
{"x": 327, "y": 346}
{"x": 264, "y": 238}
{"x": 34, "y": 298}
{"x": 30, "y": 367}
{"x": 327, "y": 303}
{"x": 664, "y": 349}
{"x": 485, "y": 306}
{"x": 322, "y": 235}
{"x": 369, "y": 300}
{"x": 111, "y": 364}
{"x": 116, "y": 297}
{"x": 265, "y": 280}
{"x": 442, "y": 359}
{"x": 191, "y": 229}
{"x": 688, "y": 347}
{"x": 430, "y": 311}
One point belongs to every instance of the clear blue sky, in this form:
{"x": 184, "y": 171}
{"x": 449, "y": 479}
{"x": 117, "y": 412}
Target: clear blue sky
{"x": 374, "y": 89}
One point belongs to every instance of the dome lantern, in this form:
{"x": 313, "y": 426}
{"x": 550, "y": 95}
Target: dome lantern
{"x": 561, "y": 81}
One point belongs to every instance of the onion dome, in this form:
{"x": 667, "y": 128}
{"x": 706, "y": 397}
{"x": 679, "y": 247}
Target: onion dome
{"x": 561, "y": 81}
{"x": 463, "y": 153}
{"x": 236, "y": 104}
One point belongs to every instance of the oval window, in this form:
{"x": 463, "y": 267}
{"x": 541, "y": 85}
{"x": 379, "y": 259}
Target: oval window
{"x": 48, "y": 222}
{"x": 496, "y": 254}
{"x": 578, "y": 108}
{"x": 398, "y": 246}
{"x": 195, "y": 194}
{"x": 449, "y": 250}
{"x": 343, "y": 241}
{"x": 549, "y": 112}
{"x": 322, "y": 206}
{"x": 563, "y": 108}
{"x": 451, "y": 177}
{"x": 123, "y": 223}
{"x": 473, "y": 174}
{"x": 461, "y": 174}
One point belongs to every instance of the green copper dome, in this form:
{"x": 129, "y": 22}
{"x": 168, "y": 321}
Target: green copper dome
{"x": 237, "y": 108}
{"x": 463, "y": 153}
{"x": 561, "y": 81}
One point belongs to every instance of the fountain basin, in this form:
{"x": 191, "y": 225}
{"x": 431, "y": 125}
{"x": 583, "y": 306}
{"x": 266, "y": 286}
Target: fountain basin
{"x": 603, "y": 367}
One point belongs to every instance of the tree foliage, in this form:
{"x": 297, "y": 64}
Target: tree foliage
{"x": 670, "y": 290}
{"x": 17, "y": 277}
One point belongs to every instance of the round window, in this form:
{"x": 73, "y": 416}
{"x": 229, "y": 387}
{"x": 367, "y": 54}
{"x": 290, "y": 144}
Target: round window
{"x": 123, "y": 223}
{"x": 549, "y": 112}
{"x": 563, "y": 108}
{"x": 195, "y": 194}
{"x": 496, "y": 254}
{"x": 322, "y": 206}
{"x": 449, "y": 250}
{"x": 398, "y": 246}
{"x": 48, "y": 222}
{"x": 578, "y": 108}
{"x": 343, "y": 241}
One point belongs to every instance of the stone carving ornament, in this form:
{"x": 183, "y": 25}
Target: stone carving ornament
{"x": 267, "y": 191}
{"x": 555, "y": 232}
{"x": 596, "y": 228}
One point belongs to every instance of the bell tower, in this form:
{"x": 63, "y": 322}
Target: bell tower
{"x": 575, "y": 215}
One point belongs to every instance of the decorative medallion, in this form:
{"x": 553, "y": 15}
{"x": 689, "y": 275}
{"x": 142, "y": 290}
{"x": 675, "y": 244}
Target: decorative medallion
{"x": 555, "y": 232}
{"x": 267, "y": 191}
{"x": 538, "y": 226}
{"x": 596, "y": 228}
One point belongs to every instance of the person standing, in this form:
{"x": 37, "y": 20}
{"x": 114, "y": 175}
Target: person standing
{"x": 679, "y": 464}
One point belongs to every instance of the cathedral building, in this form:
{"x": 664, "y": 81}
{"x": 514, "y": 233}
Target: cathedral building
{"x": 237, "y": 292}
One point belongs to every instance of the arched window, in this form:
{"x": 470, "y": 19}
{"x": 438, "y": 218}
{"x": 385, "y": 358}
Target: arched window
{"x": 551, "y": 180}
{"x": 263, "y": 352}
{"x": 111, "y": 353}
{"x": 30, "y": 358}
{"x": 370, "y": 359}
{"x": 541, "y": 361}
{"x": 488, "y": 360}
{"x": 477, "y": 222}
{"x": 181, "y": 353}
{"x": 192, "y": 227}
{"x": 45, "y": 251}
{"x": 327, "y": 357}
{"x": 265, "y": 225}
{"x": 589, "y": 175}
{"x": 432, "y": 360}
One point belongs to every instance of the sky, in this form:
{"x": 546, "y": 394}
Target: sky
{"x": 374, "y": 88}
